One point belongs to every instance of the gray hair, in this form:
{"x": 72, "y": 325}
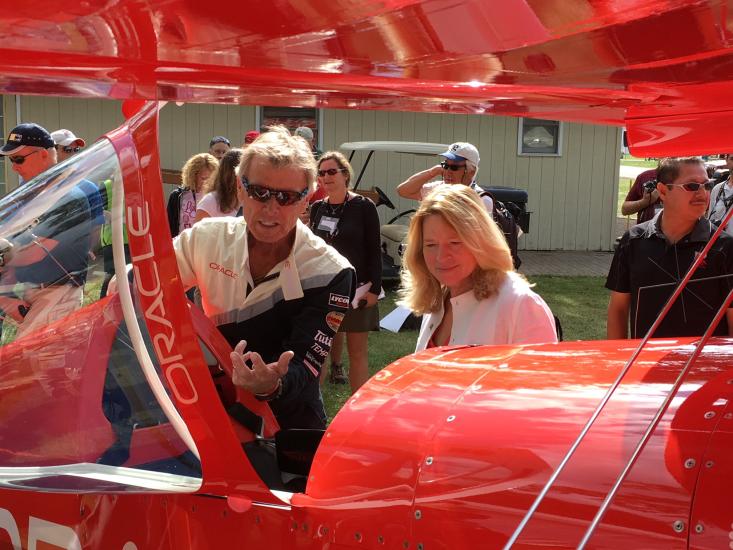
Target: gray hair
{"x": 281, "y": 149}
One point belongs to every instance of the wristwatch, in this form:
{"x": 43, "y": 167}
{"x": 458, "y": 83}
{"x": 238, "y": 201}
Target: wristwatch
{"x": 274, "y": 394}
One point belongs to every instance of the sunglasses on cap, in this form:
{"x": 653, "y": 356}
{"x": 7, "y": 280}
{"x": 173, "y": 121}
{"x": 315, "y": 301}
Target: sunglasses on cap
{"x": 67, "y": 149}
{"x": 330, "y": 172}
{"x": 263, "y": 194}
{"x": 454, "y": 167}
{"x": 693, "y": 186}
{"x": 20, "y": 159}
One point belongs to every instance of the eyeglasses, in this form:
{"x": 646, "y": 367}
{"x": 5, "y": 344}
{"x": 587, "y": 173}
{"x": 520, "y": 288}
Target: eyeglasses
{"x": 330, "y": 172}
{"x": 693, "y": 186}
{"x": 68, "y": 150}
{"x": 20, "y": 159}
{"x": 454, "y": 167}
{"x": 263, "y": 194}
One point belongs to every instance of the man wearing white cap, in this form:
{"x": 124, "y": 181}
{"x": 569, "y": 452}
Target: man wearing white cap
{"x": 460, "y": 166}
{"x": 67, "y": 144}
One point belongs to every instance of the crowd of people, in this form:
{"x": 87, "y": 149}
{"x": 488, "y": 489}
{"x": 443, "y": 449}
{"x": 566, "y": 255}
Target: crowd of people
{"x": 306, "y": 251}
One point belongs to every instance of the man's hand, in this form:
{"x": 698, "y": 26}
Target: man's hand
{"x": 436, "y": 171}
{"x": 11, "y": 308}
{"x": 371, "y": 299}
{"x": 261, "y": 378}
{"x": 653, "y": 197}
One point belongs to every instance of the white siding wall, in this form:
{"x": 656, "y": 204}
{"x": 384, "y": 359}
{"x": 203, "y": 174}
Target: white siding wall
{"x": 572, "y": 197}
{"x": 187, "y": 130}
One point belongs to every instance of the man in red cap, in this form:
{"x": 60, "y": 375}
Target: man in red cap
{"x": 249, "y": 137}
{"x": 66, "y": 143}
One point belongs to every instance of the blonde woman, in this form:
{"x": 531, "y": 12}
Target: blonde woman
{"x": 182, "y": 202}
{"x": 457, "y": 273}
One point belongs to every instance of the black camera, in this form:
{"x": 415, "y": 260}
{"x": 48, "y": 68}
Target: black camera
{"x": 650, "y": 186}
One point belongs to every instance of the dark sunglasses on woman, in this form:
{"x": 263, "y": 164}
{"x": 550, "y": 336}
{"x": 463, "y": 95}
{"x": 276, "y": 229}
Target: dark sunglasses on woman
{"x": 454, "y": 167}
{"x": 263, "y": 194}
{"x": 330, "y": 172}
{"x": 693, "y": 186}
{"x": 68, "y": 150}
{"x": 20, "y": 159}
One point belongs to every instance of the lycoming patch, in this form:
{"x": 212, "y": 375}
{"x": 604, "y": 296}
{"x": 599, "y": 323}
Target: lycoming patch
{"x": 337, "y": 300}
{"x": 333, "y": 320}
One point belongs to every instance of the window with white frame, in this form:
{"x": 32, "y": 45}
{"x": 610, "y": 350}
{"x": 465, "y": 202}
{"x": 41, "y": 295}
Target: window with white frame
{"x": 292, "y": 118}
{"x": 539, "y": 137}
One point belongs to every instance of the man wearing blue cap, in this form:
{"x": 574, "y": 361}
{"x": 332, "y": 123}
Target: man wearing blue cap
{"x": 30, "y": 150}
{"x": 49, "y": 257}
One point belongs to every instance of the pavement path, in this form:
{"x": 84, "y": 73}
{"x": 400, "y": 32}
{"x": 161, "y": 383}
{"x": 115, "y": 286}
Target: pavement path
{"x": 631, "y": 171}
{"x": 567, "y": 263}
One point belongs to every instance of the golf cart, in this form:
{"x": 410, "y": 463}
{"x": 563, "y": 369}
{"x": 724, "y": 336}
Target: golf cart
{"x": 394, "y": 231}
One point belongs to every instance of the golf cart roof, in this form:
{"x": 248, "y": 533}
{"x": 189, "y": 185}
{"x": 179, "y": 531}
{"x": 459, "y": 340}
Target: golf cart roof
{"x": 416, "y": 147}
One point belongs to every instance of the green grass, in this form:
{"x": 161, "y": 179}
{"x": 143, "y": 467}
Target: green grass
{"x": 633, "y": 161}
{"x": 579, "y": 302}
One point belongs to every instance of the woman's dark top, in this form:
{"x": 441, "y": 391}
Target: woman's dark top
{"x": 352, "y": 228}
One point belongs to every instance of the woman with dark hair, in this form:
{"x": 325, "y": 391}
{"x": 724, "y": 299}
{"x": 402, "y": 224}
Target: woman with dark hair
{"x": 458, "y": 274}
{"x": 350, "y": 223}
{"x": 222, "y": 196}
{"x": 182, "y": 202}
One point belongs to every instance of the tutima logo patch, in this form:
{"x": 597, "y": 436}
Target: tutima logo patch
{"x": 337, "y": 300}
{"x": 333, "y": 320}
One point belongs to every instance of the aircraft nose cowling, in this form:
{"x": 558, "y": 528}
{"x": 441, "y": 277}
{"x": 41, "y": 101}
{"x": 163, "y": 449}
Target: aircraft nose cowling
{"x": 451, "y": 446}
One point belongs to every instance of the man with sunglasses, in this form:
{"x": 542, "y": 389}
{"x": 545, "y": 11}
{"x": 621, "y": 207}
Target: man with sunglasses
{"x": 276, "y": 291}
{"x": 30, "y": 150}
{"x": 460, "y": 165}
{"x": 654, "y": 256}
{"x": 50, "y": 257}
{"x": 67, "y": 144}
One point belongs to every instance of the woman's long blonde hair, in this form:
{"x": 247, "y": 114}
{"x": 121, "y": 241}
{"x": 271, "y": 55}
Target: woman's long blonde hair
{"x": 193, "y": 166}
{"x": 461, "y": 208}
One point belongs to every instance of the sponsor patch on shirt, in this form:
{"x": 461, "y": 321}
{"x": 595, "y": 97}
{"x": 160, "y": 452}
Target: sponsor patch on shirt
{"x": 224, "y": 270}
{"x": 338, "y": 300}
{"x": 333, "y": 320}
{"x": 320, "y": 350}
{"x": 323, "y": 338}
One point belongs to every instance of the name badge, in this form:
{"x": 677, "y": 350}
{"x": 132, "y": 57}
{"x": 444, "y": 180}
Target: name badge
{"x": 328, "y": 223}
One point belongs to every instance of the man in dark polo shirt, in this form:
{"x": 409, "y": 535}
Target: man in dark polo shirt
{"x": 654, "y": 256}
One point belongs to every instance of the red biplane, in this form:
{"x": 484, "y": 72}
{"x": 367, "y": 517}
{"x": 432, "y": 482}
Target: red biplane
{"x": 112, "y": 432}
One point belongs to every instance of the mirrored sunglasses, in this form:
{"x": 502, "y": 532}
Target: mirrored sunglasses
{"x": 330, "y": 172}
{"x": 454, "y": 167}
{"x": 20, "y": 159}
{"x": 693, "y": 186}
{"x": 263, "y": 194}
